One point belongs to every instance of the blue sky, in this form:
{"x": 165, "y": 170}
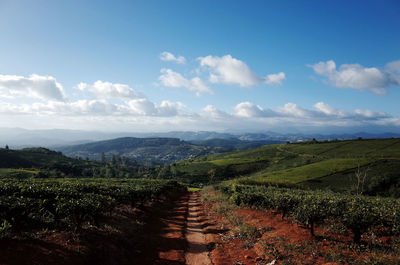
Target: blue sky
{"x": 200, "y": 65}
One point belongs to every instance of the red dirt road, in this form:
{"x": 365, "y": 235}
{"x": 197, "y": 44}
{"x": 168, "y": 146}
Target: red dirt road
{"x": 197, "y": 252}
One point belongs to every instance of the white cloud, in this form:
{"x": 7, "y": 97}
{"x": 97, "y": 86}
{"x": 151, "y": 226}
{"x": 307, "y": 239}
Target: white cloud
{"x": 229, "y": 70}
{"x": 393, "y": 66}
{"x": 36, "y": 86}
{"x": 168, "y": 109}
{"x": 167, "y": 56}
{"x": 275, "y": 79}
{"x": 142, "y": 114}
{"x": 76, "y": 108}
{"x": 328, "y": 110}
{"x": 106, "y": 90}
{"x": 292, "y": 109}
{"x": 248, "y": 109}
{"x": 211, "y": 111}
{"x": 142, "y": 107}
{"x": 169, "y": 78}
{"x": 358, "y": 114}
{"x": 96, "y": 108}
{"x": 369, "y": 114}
{"x": 356, "y": 76}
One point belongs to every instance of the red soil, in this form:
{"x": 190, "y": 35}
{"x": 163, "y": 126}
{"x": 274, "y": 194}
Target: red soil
{"x": 281, "y": 240}
{"x": 166, "y": 232}
{"x": 152, "y": 235}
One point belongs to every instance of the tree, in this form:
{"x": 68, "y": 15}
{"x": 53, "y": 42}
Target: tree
{"x": 360, "y": 177}
{"x": 7, "y": 147}
{"x": 114, "y": 160}
{"x": 103, "y": 158}
{"x": 212, "y": 173}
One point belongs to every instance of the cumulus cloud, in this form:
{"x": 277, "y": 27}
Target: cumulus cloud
{"x": 76, "y": 108}
{"x": 142, "y": 106}
{"x": 168, "y": 109}
{"x": 292, "y": 109}
{"x": 167, "y": 56}
{"x": 321, "y": 114}
{"x": 357, "y": 76}
{"x": 369, "y": 114}
{"x": 248, "y": 109}
{"x": 211, "y": 111}
{"x": 229, "y": 70}
{"x": 275, "y": 79}
{"x": 105, "y": 90}
{"x": 393, "y": 66}
{"x": 246, "y": 115}
{"x": 36, "y": 86}
{"x": 169, "y": 78}
{"x": 328, "y": 110}
{"x": 358, "y": 114}
{"x": 97, "y": 108}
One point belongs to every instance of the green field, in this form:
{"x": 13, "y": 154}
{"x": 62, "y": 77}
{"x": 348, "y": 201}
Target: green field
{"x": 317, "y": 165}
{"x": 307, "y": 172}
{"x": 13, "y": 172}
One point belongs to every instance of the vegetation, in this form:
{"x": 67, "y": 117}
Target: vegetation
{"x": 42, "y": 162}
{"x": 142, "y": 151}
{"x": 66, "y": 204}
{"x": 309, "y": 165}
{"x": 309, "y": 208}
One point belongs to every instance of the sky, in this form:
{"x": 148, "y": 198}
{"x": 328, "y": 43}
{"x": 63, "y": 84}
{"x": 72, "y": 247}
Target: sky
{"x": 232, "y": 66}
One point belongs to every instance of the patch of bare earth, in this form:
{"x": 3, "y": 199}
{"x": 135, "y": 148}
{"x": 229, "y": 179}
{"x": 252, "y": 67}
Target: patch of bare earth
{"x": 150, "y": 234}
{"x": 197, "y": 251}
{"x": 263, "y": 237}
{"x": 285, "y": 242}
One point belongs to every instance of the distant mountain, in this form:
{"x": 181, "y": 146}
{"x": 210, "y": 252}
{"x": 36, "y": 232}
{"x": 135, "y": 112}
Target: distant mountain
{"x": 146, "y": 151}
{"x": 234, "y": 144}
{"x": 19, "y": 138}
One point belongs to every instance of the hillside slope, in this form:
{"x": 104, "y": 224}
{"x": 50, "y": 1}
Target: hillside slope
{"x": 146, "y": 151}
{"x": 42, "y": 162}
{"x": 311, "y": 164}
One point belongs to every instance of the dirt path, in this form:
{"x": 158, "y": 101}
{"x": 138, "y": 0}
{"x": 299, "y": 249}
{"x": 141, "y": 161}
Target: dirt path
{"x": 197, "y": 252}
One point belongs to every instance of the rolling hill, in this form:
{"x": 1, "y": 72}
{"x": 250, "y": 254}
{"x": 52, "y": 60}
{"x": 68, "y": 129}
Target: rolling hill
{"x": 156, "y": 151}
{"x": 145, "y": 151}
{"x": 42, "y": 162}
{"x": 312, "y": 164}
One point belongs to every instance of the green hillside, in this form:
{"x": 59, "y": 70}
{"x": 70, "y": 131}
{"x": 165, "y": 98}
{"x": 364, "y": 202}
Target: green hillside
{"x": 318, "y": 165}
{"x": 145, "y": 151}
{"x": 42, "y": 162}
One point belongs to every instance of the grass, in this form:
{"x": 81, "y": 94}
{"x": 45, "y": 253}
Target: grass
{"x": 274, "y": 162}
{"x": 13, "y": 172}
{"x": 233, "y": 161}
{"x": 224, "y": 207}
{"x": 191, "y": 189}
{"x": 307, "y": 172}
